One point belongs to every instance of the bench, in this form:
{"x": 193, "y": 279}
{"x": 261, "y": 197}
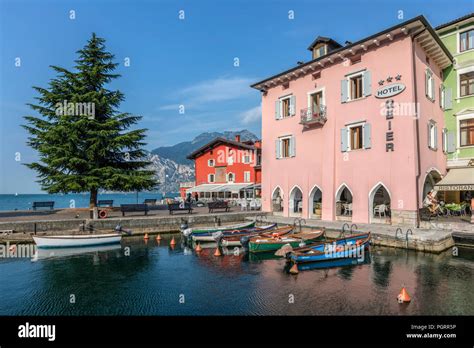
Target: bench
{"x": 133, "y": 208}
{"x": 150, "y": 201}
{"x": 179, "y": 207}
{"x": 105, "y": 203}
{"x": 47, "y": 204}
{"x": 218, "y": 205}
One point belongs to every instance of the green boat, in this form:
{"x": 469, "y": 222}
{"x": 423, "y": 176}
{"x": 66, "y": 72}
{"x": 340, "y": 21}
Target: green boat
{"x": 209, "y": 230}
{"x": 273, "y": 243}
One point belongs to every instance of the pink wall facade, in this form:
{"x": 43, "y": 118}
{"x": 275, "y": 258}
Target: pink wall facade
{"x": 319, "y": 161}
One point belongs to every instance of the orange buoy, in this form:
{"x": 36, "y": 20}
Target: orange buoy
{"x": 217, "y": 252}
{"x": 198, "y": 248}
{"x": 294, "y": 269}
{"x": 146, "y": 236}
{"x": 173, "y": 242}
{"x": 158, "y": 238}
{"x": 403, "y": 296}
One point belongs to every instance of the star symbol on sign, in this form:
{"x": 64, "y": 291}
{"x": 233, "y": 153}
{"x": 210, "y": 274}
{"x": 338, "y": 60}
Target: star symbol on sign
{"x": 381, "y": 82}
{"x": 398, "y": 77}
{"x": 389, "y": 79}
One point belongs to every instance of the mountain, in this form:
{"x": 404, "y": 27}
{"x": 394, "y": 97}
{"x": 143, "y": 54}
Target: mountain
{"x": 170, "y": 162}
{"x": 179, "y": 151}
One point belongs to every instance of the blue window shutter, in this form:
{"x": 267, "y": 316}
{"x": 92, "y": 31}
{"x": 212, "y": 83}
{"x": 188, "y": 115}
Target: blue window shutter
{"x": 277, "y": 148}
{"x": 367, "y": 136}
{"x": 426, "y": 82}
{"x": 344, "y": 84}
{"x": 343, "y": 139}
{"x": 433, "y": 97}
{"x": 292, "y": 146}
{"x": 292, "y": 105}
{"x": 451, "y": 140}
{"x": 448, "y": 98}
{"x": 366, "y": 83}
{"x": 277, "y": 110}
{"x": 429, "y": 134}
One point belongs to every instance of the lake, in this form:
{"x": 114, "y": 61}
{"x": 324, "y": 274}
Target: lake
{"x": 158, "y": 280}
{"x": 73, "y": 200}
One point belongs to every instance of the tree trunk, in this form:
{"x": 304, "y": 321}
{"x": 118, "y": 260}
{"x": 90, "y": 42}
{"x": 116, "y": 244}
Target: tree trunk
{"x": 93, "y": 199}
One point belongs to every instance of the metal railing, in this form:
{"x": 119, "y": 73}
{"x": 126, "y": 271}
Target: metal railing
{"x": 313, "y": 115}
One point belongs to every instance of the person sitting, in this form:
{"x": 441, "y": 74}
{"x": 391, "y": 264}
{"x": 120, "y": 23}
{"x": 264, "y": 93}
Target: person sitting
{"x": 431, "y": 202}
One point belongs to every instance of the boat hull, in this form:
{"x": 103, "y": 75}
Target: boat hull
{"x": 257, "y": 245}
{"x": 343, "y": 248}
{"x": 73, "y": 241}
{"x": 209, "y": 230}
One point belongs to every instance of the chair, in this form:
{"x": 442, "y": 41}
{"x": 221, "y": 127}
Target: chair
{"x": 253, "y": 204}
{"x": 347, "y": 209}
{"x": 243, "y": 204}
{"x": 380, "y": 209}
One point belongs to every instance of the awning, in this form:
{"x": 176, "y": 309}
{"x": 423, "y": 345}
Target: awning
{"x": 234, "y": 188}
{"x": 457, "y": 179}
{"x": 203, "y": 188}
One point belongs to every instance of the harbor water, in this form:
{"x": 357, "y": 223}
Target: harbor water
{"x": 138, "y": 278}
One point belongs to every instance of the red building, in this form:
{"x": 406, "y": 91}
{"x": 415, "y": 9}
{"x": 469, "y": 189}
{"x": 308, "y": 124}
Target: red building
{"x": 226, "y": 169}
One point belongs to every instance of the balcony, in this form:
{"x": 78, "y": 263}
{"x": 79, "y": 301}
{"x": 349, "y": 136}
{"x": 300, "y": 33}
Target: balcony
{"x": 314, "y": 116}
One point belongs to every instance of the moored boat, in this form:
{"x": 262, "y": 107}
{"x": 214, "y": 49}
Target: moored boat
{"x": 209, "y": 230}
{"x": 349, "y": 247}
{"x": 236, "y": 239}
{"x": 272, "y": 243}
{"x": 215, "y": 236}
{"x": 81, "y": 240}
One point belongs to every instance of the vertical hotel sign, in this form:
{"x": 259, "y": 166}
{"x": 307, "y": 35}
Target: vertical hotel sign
{"x": 388, "y": 91}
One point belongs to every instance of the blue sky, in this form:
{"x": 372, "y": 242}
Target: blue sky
{"x": 173, "y": 61}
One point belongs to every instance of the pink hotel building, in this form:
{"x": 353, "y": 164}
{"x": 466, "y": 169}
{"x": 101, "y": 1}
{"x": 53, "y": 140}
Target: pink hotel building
{"x": 356, "y": 133}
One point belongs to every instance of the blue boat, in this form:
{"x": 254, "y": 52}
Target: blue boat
{"x": 352, "y": 247}
{"x": 334, "y": 263}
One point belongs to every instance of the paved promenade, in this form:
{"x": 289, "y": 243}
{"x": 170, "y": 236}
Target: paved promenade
{"x": 430, "y": 240}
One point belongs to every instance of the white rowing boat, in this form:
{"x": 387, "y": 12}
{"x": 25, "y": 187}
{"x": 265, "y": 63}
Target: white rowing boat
{"x": 81, "y": 240}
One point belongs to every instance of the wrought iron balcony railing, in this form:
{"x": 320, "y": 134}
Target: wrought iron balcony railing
{"x": 313, "y": 116}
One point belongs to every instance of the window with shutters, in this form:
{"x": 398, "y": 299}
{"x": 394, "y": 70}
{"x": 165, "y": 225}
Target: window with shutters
{"x": 429, "y": 85}
{"x": 466, "y": 84}
{"x": 355, "y": 137}
{"x": 211, "y": 178}
{"x": 246, "y": 176}
{"x": 432, "y": 135}
{"x": 285, "y": 147}
{"x": 466, "y": 132}
{"x": 230, "y": 177}
{"x": 356, "y": 86}
{"x": 211, "y": 163}
{"x": 466, "y": 40}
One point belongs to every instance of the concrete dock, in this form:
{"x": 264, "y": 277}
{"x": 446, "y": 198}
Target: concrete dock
{"x": 428, "y": 240}
{"x": 21, "y": 229}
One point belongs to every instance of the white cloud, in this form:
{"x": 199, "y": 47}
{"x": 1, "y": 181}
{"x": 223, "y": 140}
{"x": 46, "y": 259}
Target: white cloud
{"x": 209, "y": 91}
{"x": 252, "y": 115}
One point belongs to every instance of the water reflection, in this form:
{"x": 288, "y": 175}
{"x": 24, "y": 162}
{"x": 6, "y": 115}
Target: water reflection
{"x": 151, "y": 278}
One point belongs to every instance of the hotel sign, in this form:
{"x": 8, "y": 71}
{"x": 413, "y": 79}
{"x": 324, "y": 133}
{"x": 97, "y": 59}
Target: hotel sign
{"x": 390, "y": 90}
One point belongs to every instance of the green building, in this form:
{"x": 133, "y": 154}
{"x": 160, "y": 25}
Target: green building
{"x": 457, "y": 98}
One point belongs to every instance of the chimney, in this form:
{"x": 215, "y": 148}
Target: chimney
{"x": 237, "y": 138}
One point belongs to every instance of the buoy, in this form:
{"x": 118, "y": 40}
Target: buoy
{"x": 146, "y": 236}
{"x": 173, "y": 242}
{"x": 217, "y": 252}
{"x": 294, "y": 269}
{"x": 198, "y": 248}
{"x": 158, "y": 238}
{"x": 403, "y": 296}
